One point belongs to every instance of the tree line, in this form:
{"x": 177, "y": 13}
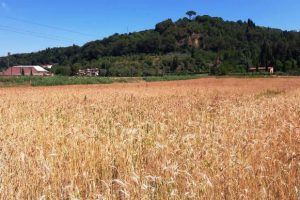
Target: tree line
{"x": 192, "y": 44}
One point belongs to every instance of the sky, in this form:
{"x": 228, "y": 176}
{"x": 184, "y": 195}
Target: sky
{"x": 33, "y": 25}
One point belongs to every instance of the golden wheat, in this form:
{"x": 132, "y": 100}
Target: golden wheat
{"x": 199, "y": 139}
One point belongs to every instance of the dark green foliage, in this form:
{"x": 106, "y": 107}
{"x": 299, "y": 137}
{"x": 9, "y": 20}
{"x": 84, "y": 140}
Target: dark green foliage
{"x": 191, "y": 13}
{"x": 185, "y": 46}
{"x": 163, "y": 26}
{"x": 65, "y": 80}
{"x": 175, "y": 64}
{"x": 251, "y": 24}
{"x": 266, "y": 55}
{"x": 22, "y": 72}
{"x": 169, "y": 43}
{"x": 149, "y": 43}
{"x": 59, "y": 80}
{"x": 62, "y": 70}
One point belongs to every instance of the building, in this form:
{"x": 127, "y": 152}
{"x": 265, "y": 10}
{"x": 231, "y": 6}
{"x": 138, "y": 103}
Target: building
{"x": 261, "y": 69}
{"x": 26, "y": 71}
{"x": 47, "y": 66}
{"x": 88, "y": 72}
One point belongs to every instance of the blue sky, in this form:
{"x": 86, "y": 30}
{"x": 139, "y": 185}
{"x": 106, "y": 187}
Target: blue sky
{"x": 95, "y": 19}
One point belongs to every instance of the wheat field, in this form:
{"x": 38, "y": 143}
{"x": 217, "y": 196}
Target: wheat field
{"x": 208, "y": 138}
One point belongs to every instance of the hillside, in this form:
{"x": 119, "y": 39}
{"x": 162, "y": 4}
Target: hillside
{"x": 188, "y": 45}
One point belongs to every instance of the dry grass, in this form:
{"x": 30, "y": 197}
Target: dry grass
{"x": 207, "y": 138}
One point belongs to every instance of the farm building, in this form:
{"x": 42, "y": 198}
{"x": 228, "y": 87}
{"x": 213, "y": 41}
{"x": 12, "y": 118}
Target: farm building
{"x": 89, "y": 72}
{"x": 26, "y": 71}
{"x": 47, "y": 66}
{"x": 261, "y": 69}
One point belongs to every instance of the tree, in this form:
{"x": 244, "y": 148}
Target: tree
{"x": 92, "y": 50}
{"x": 191, "y": 13}
{"x": 216, "y": 66}
{"x": 175, "y": 64}
{"x": 149, "y": 43}
{"x": 266, "y": 56}
{"x": 74, "y": 69}
{"x": 196, "y": 43}
{"x": 22, "y": 72}
{"x": 163, "y": 26}
{"x": 169, "y": 43}
{"x": 251, "y": 24}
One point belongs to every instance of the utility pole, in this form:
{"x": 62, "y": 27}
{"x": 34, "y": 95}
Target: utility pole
{"x": 8, "y": 55}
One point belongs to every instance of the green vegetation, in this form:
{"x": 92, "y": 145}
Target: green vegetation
{"x": 61, "y": 80}
{"x": 66, "y": 80}
{"x": 190, "y": 45}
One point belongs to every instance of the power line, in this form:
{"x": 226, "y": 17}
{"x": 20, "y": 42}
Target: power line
{"x": 34, "y": 34}
{"x": 49, "y": 26}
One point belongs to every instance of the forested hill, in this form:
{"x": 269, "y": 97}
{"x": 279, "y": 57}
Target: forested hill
{"x": 193, "y": 44}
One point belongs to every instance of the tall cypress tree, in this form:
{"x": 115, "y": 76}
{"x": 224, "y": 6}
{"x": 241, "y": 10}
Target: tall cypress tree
{"x": 266, "y": 55}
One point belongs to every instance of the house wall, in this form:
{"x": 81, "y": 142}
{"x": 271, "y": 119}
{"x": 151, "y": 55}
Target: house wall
{"x": 17, "y": 71}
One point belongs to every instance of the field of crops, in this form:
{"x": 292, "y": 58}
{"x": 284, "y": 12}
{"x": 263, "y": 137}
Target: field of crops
{"x": 207, "y": 138}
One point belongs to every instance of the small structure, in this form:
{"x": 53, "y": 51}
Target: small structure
{"x": 26, "y": 71}
{"x": 47, "y": 66}
{"x": 89, "y": 72}
{"x": 261, "y": 69}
